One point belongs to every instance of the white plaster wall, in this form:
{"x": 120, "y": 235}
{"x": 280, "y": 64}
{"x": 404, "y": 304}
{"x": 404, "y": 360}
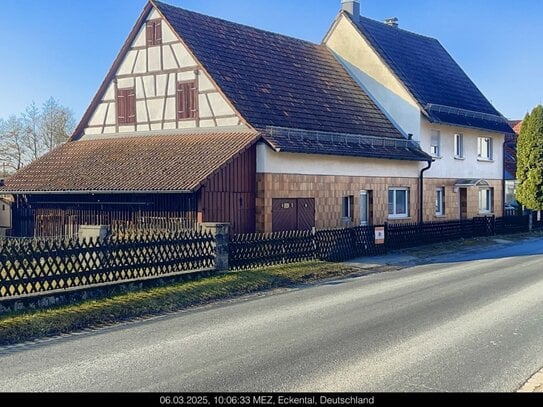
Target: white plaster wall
{"x": 219, "y": 105}
{"x": 368, "y": 69}
{"x": 470, "y": 167}
{"x": 271, "y": 162}
{"x": 169, "y": 58}
{"x": 167, "y": 34}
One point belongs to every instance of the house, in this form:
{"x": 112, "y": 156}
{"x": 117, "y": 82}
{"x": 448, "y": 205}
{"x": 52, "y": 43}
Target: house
{"x": 204, "y": 120}
{"x": 424, "y": 92}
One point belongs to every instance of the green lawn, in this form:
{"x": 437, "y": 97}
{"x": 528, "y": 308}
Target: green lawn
{"x": 24, "y": 326}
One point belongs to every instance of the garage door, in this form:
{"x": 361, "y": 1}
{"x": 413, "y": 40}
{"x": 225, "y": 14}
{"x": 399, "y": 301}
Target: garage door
{"x": 293, "y": 214}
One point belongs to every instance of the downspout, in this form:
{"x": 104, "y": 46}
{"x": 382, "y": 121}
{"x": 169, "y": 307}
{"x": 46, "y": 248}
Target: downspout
{"x": 421, "y": 190}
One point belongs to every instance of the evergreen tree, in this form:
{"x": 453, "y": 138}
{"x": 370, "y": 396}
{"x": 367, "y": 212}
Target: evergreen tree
{"x": 530, "y": 161}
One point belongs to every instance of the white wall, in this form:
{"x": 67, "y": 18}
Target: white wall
{"x": 372, "y": 73}
{"x": 367, "y": 68}
{"x": 271, "y": 162}
{"x": 470, "y": 167}
{"x": 154, "y": 73}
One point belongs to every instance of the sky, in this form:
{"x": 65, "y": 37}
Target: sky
{"x": 64, "y": 48}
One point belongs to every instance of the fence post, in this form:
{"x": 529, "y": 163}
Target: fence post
{"x": 221, "y": 233}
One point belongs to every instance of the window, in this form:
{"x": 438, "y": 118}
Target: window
{"x": 398, "y": 203}
{"x": 187, "y": 100}
{"x": 484, "y": 148}
{"x": 458, "y": 146}
{"x": 440, "y": 201}
{"x": 347, "y": 208}
{"x": 435, "y": 143}
{"x": 126, "y": 106}
{"x": 154, "y": 32}
{"x": 485, "y": 200}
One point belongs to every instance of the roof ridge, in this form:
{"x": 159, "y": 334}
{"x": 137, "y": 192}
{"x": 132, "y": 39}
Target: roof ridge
{"x": 398, "y": 28}
{"x": 246, "y": 26}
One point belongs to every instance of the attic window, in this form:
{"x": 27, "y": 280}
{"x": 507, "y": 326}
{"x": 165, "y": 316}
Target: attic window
{"x": 187, "y": 100}
{"x": 154, "y": 32}
{"x": 126, "y": 106}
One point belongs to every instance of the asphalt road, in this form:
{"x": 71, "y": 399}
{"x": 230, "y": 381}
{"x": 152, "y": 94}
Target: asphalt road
{"x": 469, "y": 323}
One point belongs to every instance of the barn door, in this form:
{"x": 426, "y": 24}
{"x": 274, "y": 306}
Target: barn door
{"x": 284, "y": 215}
{"x": 293, "y": 214}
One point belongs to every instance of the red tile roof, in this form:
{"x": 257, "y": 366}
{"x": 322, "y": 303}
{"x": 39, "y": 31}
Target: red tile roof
{"x": 131, "y": 164}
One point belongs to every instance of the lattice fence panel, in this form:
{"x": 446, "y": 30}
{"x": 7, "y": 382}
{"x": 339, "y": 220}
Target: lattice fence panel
{"x": 265, "y": 249}
{"x": 36, "y": 266}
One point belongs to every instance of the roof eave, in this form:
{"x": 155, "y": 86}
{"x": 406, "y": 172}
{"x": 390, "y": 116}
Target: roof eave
{"x": 435, "y": 121}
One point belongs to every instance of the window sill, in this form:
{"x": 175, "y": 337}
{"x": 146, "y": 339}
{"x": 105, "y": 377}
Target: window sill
{"x": 486, "y": 213}
{"x": 398, "y": 217}
{"x": 460, "y": 158}
{"x": 440, "y": 216}
{"x": 485, "y": 160}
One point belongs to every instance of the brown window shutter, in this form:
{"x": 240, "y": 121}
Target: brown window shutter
{"x": 131, "y": 106}
{"x": 150, "y": 33}
{"x": 193, "y": 100}
{"x": 158, "y": 32}
{"x": 181, "y": 107}
{"x": 121, "y": 107}
{"x": 187, "y": 102}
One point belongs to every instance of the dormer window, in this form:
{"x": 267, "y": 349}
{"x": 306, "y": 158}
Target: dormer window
{"x": 154, "y": 32}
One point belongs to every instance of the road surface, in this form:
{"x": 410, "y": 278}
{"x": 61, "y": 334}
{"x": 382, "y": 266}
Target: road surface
{"x": 473, "y": 322}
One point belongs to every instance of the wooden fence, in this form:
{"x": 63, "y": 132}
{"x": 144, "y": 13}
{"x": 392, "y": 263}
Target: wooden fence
{"x": 30, "y": 266}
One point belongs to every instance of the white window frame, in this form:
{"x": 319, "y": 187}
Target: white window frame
{"x": 440, "y": 201}
{"x": 459, "y": 146}
{"x": 435, "y": 143}
{"x": 484, "y": 153}
{"x": 394, "y": 214}
{"x": 347, "y": 208}
{"x": 485, "y": 194}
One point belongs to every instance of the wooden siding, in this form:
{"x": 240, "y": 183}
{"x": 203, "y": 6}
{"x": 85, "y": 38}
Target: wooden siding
{"x": 229, "y": 195}
{"x": 61, "y": 215}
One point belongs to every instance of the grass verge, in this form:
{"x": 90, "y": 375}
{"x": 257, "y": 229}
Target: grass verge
{"x": 21, "y": 327}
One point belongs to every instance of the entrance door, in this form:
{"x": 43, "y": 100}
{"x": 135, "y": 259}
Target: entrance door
{"x": 293, "y": 214}
{"x": 463, "y": 203}
{"x": 306, "y": 214}
{"x": 366, "y": 208}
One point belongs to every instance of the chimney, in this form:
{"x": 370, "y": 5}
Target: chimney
{"x": 393, "y": 22}
{"x": 351, "y": 7}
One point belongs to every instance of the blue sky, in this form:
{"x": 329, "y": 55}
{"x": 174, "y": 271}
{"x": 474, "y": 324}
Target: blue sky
{"x": 63, "y": 48}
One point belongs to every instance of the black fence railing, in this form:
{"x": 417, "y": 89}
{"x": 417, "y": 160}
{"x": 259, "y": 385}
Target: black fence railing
{"x": 263, "y": 249}
{"x": 254, "y": 250}
{"x": 37, "y": 266}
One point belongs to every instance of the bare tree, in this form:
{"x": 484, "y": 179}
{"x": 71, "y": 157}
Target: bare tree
{"x": 13, "y": 149}
{"x": 57, "y": 122}
{"x": 33, "y": 140}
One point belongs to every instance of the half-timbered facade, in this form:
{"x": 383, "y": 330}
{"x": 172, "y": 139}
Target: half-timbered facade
{"x": 204, "y": 120}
